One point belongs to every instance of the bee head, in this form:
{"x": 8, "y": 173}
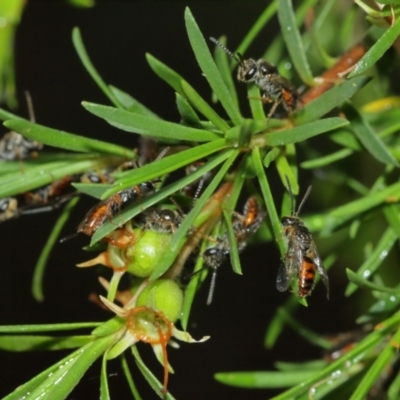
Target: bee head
{"x": 290, "y": 221}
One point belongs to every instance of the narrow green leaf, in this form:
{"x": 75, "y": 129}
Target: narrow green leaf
{"x": 303, "y": 132}
{"x": 364, "y": 284}
{"x": 48, "y": 327}
{"x": 150, "y": 378}
{"x": 233, "y": 253}
{"x": 188, "y": 114}
{"x": 368, "y": 137}
{"x": 29, "y": 386}
{"x": 166, "y": 165}
{"x": 163, "y": 193}
{"x": 263, "y": 380}
{"x": 381, "y": 363}
{"x": 326, "y": 160}
{"x": 295, "y": 366}
{"x": 271, "y": 156}
{"x": 60, "y": 383}
{"x": 203, "y": 107}
{"x": 285, "y": 170}
{"x": 256, "y": 28}
{"x": 136, "y": 123}
{"x": 210, "y": 70}
{"x": 129, "y": 378}
{"x": 222, "y": 61}
{"x": 294, "y": 44}
{"x": 131, "y": 104}
{"x": 96, "y": 190}
{"x": 392, "y": 215}
{"x": 256, "y": 105}
{"x": 269, "y": 201}
{"x": 166, "y": 73}
{"x": 372, "y": 263}
{"x": 377, "y": 50}
{"x": 104, "y": 389}
{"x": 82, "y": 53}
{"x": 306, "y": 333}
{"x": 345, "y": 138}
{"x": 37, "y": 280}
{"x": 329, "y": 100}
{"x": 40, "y": 343}
{"x": 394, "y": 390}
{"x": 366, "y": 344}
{"x": 41, "y": 175}
{"x": 65, "y": 140}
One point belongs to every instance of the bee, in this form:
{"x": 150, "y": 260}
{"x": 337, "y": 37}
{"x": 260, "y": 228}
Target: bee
{"x": 301, "y": 260}
{"x": 160, "y": 220}
{"x": 13, "y": 146}
{"x": 275, "y": 88}
{"x": 244, "y": 226}
{"x": 109, "y": 208}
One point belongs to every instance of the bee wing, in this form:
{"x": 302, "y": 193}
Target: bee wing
{"x": 320, "y": 267}
{"x": 289, "y": 267}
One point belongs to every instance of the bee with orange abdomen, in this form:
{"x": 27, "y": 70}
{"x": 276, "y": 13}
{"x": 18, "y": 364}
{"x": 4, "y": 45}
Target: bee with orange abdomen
{"x": 301, "y": 260}
{"x": 109, "y": 208}
{"x": 275, "y": 88}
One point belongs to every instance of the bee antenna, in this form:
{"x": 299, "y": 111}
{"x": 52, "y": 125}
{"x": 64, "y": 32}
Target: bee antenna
{"x": 162, "y": 153}
{"x": 30, "y": 106}
{"x": 238, "y": 58}
{"x": 304, "y": 199}
{"x": 212, "y": 286}
{"x": 71, "y": 236}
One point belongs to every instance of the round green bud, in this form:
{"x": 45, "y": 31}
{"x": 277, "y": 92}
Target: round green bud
{"x": 146, "y": 252}
{"x": 163, "y": 295}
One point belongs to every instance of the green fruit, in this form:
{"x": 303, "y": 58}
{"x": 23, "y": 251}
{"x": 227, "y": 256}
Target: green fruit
{"x": 144, "y": 255}
{"x": 163, "y": 295}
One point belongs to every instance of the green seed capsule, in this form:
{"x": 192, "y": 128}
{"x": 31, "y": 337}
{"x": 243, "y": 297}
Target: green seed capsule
{"x": 163, "y": 295}
{"x": 146, "y": 252}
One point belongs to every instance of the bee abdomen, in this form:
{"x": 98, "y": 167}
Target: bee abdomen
{"x": 306, "y": 277}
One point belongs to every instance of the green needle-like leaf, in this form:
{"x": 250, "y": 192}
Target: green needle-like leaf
{"x": 37, "y": 280}
{"x": 329, "y": 100}
{"x": 377, "y": 50}
{"x": 233, "y": 253}
{"x": 373, "y": 262}
{"x": 263, "y": 380}
{"x": 57, "y": 385}
{"x": 80, "y": 49}
{"x": 157, "y": 197}
{"x": 303, "y": 132}
{"x": 368, "y": 137}
{"x": 294, "y": 44}
{"x": 381, "y": 363}
{"x": 39, "y": 342}
{"x": 364, "y": 284}
{"x": 149, "y": 376}
{"x": 48, "y": 327}
{"x": 131, "y": 104}
{"x": 166, "y": 73}
{"x": 166, "y": 165}
{"x": 136, "y": 123}
{"x": 210, "y": 70}
{"x": 65, "y": 140}
{"x": 203, "y": 107}
{"x": 104, "y": 390}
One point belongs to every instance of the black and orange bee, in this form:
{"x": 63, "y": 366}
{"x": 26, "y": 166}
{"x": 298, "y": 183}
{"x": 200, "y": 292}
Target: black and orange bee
{"x": 244, "y": 226}
{"x": 275, "y": 88}
{"x": 109, "y": 208}
{"x": 301, "y": 260}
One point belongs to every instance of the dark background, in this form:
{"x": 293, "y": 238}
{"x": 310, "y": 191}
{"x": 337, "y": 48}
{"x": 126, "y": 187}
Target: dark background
{"x": 117, "y": 34}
